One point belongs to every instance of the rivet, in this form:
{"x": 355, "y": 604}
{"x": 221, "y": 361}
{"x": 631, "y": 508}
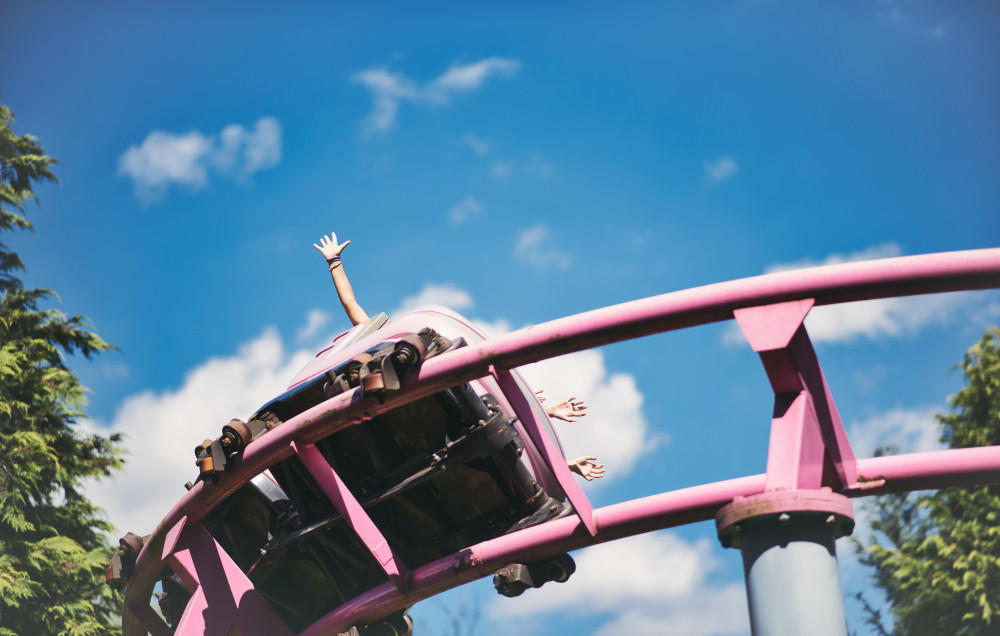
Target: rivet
{"x": 784, "y": 518}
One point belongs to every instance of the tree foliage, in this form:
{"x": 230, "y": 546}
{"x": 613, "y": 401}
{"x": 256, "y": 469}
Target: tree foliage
{"x": 937, "y": 555}
{"x": 52, "y": 539}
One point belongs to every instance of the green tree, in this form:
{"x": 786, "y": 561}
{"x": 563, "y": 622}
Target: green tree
{"x": 937, "y": 555}
{"x": 53, "y": 548}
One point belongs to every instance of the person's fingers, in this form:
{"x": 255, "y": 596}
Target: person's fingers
{"x": 318, "y": 247}
{"x": 589, "y": 458}
{"x": 341, "y": 247}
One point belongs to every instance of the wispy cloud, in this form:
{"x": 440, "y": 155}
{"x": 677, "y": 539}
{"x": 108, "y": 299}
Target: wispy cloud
{"x": 465, "y": 209}
{"x": 315, "y": 320}
{"x": 721, "y": 169}
{"x": 537, "y": 166}
{"x": 885, "y": 318}
{"x": 164, "y": 159}
{"x": 389, "y": 89}
{"x": 535, "y": 247}
{"x": 445, "y": 295}
{"x": 892, "y": 13}
{"x": 908, "y": 430}
{"x": 883, "y": 250}
{"x": 475, "y": 144}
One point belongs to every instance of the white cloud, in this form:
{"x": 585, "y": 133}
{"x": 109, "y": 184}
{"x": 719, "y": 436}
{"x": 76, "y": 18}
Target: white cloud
{"x": 651, "y": 584}
{"x": 475, "y": 144}
{"x": 501, "y": 168}
{"x": 534, "y": 247}
{"x": 316, "y": 319}
{"x": 464, "y": 209}
{"x": 909, "y": 430}
{"x": 614, "y": 429}
{"x": 461, "y": 78}
{"x": 884, "y": 250}
{"x": 874, "y": 319}
{"x": 164, "y": 159}
{"x": 450, "y": 296}
{"x": 162, "y": 427}
{"x": 721, "y": 169}
{"x": 388, "y": 89}
{"x": 247, "y": 151}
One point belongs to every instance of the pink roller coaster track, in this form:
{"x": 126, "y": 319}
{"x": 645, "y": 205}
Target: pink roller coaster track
{"x": 810, "y": 458}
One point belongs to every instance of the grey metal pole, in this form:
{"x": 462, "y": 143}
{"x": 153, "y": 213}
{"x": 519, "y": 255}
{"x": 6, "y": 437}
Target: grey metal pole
{"x": 790, "y": 560}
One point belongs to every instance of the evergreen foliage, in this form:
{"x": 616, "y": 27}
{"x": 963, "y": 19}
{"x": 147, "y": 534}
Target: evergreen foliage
{"x": 937, "y": 555}
{"x": 53, "y": 547}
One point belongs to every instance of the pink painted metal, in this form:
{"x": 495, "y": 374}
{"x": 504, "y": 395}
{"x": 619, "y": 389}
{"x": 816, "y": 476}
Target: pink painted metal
{"x": 788, "y": 358}
{"x": 547, "y": 446}
{"x": 224, "y": 599}
{"x": 807, "y": 435}
{"x": 353, "y": 513}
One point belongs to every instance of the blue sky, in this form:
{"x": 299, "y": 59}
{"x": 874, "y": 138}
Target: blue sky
{"x": 519, "y": 163}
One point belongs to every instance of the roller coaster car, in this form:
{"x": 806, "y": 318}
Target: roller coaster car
{"x": 435, "y": 476}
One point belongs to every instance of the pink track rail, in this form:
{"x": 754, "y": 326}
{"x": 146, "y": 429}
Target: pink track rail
{"x": 809, "y": 449}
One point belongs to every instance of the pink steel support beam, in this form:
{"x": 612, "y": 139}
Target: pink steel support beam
{"x": 807, "y": 436}
{"x": 547, "y": 446}
{"x": 354, "y": 514}
{"x": 224, "y": 599}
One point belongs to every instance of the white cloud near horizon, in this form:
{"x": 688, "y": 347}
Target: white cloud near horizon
{"x": 906, "y": 430}
{"x": 465, "y": 209}
{"x": 721, "y": 169}
{"x": 535, "y": 247}
{"x": 164, "y": 159}
{"x": 655, "y": 583}
{"x": 883, "y": 318}
{"x": 389, "y": 89}
{"x": 162, "y": 427}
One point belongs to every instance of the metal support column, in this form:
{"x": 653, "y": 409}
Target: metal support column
{"x": 789, "y": 559}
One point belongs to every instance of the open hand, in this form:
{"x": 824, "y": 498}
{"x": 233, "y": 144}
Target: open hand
{"x": 328, "y": 246}
{"x": 568, "y": 410}
{"x": 582, "y": 466}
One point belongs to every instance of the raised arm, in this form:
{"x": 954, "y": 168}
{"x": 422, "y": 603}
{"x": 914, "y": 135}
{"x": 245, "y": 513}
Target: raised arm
{"x": 331, "y": 252}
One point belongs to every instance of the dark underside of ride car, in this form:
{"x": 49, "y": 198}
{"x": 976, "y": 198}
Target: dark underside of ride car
{"x": 435, "y": 476}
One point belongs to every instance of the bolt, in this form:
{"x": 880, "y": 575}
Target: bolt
{"x": 784, "y": 518}
{"x": 737, "y": 529}
{"x": 831, "y": 520}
